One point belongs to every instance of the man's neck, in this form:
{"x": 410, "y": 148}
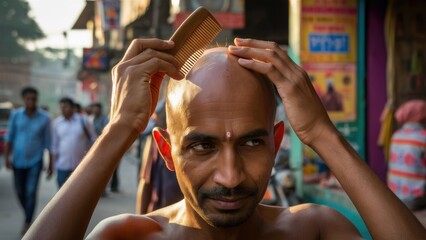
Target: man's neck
{"x": 30, "y": 111}
{"x": 68, "y": 117}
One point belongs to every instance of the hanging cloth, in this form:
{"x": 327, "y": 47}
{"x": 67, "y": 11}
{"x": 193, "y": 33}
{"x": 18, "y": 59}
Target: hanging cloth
{"x": 387, "y": 119}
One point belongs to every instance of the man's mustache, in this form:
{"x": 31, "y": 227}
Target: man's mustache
{"x": 220, "y": 191}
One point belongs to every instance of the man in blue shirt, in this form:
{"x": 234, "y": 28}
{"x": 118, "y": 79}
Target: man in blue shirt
{"x": 28, "y": 137}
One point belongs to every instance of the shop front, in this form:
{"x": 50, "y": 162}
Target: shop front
{"x": 326, "y": 37}
{"x": 364, "y": 59}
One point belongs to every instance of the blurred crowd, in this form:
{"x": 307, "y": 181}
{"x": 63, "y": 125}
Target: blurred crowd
{"x": 32, "y": 132}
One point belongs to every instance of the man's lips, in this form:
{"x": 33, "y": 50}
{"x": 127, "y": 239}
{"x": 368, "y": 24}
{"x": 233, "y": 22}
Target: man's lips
{"x": 228, "y": 203}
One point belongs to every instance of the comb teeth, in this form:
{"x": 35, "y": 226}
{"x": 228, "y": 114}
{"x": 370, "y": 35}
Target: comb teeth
{"x": 192, "y": 37}
{"x": 196, "y": 43}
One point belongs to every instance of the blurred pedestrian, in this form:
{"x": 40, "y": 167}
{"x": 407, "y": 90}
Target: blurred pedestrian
{"x": 78, "y": 108}
{"x": 407, "y": 164}
{"x": 97, "y": 117}
{"x": 28, "y": 136}
{"x": 141, "y": 142}
{"x": 72, "y": 135}
{"x": 158, "y": 187}
{"x": 99, "y": 121}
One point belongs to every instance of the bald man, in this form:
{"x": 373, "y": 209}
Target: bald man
{"x": 221, "y": 141}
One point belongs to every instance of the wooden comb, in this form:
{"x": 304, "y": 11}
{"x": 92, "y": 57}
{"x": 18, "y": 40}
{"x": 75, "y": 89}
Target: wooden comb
{"x": 192, "y": 37}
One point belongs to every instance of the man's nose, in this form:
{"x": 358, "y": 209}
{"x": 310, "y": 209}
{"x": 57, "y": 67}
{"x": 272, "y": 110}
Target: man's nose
{"x": 229, "y": 171}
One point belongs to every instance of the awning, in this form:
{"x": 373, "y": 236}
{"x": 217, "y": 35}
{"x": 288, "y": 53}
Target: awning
{"x": 88, "y": 14}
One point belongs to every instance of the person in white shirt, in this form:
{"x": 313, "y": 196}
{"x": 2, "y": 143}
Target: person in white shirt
{"x": 72, "y": 135}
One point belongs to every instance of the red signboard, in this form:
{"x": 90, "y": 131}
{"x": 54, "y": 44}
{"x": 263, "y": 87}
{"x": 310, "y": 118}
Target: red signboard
{"x": 229, "y": 20}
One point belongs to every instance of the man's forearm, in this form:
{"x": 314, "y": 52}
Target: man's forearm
{"x": 384, "y": 214}
{"x": 68, "y": 214}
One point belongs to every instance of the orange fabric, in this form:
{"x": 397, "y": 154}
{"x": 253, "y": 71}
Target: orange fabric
{"x": 409, "y": 142}
{"x": 268, "y": 195}
{"x": 406, "y": 174}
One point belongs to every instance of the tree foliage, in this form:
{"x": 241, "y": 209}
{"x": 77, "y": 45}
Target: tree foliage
{"x": 16, "y": 27}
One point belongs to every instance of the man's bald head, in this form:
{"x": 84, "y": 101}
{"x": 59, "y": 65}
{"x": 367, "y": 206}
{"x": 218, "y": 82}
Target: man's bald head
{"x": 216, "y": 75}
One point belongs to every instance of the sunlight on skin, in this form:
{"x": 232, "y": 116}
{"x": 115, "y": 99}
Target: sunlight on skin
{"x": 180, "y": 218}
{"x": 189, "y": 90}
{"x": 298, "y": 208}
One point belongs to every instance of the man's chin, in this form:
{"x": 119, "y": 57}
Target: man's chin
{"x": 228, "y": 219}
{"x": 226, "y": 223}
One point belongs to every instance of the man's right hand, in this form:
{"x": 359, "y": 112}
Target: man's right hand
{"x": 137, "y": 79}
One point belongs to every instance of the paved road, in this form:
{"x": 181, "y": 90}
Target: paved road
{"x": 11, "y": 216}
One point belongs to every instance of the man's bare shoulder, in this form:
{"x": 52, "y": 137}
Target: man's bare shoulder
{"x": 118, "y": 226}
{"x": 312, "y": 221}
{"x": 132, "y": 225}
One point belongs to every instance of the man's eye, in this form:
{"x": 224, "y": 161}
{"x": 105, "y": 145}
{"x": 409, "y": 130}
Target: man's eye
{"x": 253, "y": 142}
{"x": 202, "y": 146}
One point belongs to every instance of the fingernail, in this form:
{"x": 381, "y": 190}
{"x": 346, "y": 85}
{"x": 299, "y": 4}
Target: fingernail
{"x": 170, "y": 42}
{"x": 243, "y": 60}
{"x": 238, "y": 41}
{"x": 233, "y": 48}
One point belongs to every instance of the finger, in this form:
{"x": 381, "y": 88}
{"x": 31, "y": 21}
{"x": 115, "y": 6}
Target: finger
{"x": 153, "y": 66}
{"x": 278, "y": 58}
{"x": 148, "y": 54}
{"x": 139, "y": 45}
{"x": 159, "y": 65}
{"x": 269, "y": 45}
{"x": 254, "y": 43}
{"x": 267, "y": 69}
{"x": 271, "y": 59}
{"x": 277, "y": 76}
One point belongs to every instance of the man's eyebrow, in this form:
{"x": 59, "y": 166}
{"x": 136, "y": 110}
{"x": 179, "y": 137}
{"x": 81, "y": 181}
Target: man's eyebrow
{"x": 255, "y": 134}
{"x": 198, "y": 137}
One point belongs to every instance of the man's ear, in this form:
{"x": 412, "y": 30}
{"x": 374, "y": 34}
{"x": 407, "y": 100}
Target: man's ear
{"x": 162, "y": 139}
{"x": 278, "y": 135}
